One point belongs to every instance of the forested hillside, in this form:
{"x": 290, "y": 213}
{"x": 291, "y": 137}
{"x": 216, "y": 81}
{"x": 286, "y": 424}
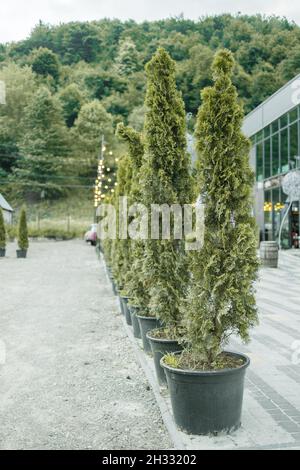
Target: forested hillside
{"x": 67, "y": 85}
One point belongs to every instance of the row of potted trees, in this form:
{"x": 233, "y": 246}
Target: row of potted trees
{"x": 22, "y": 235}
{"x": 184, "y": 305}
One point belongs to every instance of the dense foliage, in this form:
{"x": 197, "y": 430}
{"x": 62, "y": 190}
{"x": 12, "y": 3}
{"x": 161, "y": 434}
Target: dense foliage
{"x": 104, "y": 61}
{"x": 165, "y": 179}
{"x": 221, "y": 300}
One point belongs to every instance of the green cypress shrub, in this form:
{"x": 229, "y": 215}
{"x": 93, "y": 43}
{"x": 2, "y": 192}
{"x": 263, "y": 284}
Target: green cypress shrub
{"x": 133, "y": 279}
{"x": 2, "y": 231}
{"x": 22, "y": 231}
{"x": 165, "y": 178}
{"x": 221, "y": 300}
{"x": 121, "y": 247}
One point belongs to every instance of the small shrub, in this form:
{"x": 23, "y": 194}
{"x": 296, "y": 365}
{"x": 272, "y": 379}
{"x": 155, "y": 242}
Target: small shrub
{"x": 11, "y": 232}
{"x": 2, "y": 231}
{"x": 23, "y": 232}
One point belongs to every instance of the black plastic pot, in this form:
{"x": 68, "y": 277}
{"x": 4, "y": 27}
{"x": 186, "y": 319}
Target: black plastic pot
{"x": 21, "y": 253}
{"x": 147, "y": 324}
{"x": 126, "y": 309}
{"x": 121, "y": 304}
{"x": 135, "y": 323}
{"x": 207, "y": 402}
{"x": 114, "y": 288}
{"x": 2, "y": 252}
{"x": 160, "y": 347}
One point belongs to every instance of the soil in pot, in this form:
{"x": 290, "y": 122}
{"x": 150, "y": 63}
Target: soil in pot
{"x": 161, "y": 345}
{"x": 134, "y": 310}
{"x": 207, "y": 401}
{"x": 21, "y": 253}
{"x": 147, "y": 324}
{"x": 2, "y": 252}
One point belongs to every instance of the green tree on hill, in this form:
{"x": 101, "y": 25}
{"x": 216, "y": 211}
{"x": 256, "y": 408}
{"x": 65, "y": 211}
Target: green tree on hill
{"x": 44, "y": 62}
{"x": 44, "y": 145}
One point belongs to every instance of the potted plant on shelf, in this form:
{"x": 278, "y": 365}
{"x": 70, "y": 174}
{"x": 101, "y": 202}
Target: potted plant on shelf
{"x": 166, "y": 180}
{"x": 22, "y": 235}
{"x": 2, "y": 235}
{"x": 205, "y": 381}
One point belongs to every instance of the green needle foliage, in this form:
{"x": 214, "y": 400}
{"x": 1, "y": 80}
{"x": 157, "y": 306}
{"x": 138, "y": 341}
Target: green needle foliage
{"x": 121, "y": 247}
{"x": 221, "y": 300}
{"x": 165, "y": 180}
{"x": 2, "y": 231}
{"x": 22, "y": 231}
{"x": 133, "y": 280}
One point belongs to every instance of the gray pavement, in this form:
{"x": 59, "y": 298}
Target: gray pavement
{"x": 70, "y": 379}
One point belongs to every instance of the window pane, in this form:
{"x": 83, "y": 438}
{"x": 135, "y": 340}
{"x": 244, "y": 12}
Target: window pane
{"x": 259, "y": 136}
{"x": 284, "y": 155}
{"x": 283, "y": 120}
{"x": 259, "y": 162}
{"x": 293, "y": 144}
{"x": 268, "y": 216}
{"x": 293, "y": 115}
{"x": 274, "y": 126}
{"x": 267, "y": 165}
{"x": 275, "y": 155}
{"x": 267, "y": 131}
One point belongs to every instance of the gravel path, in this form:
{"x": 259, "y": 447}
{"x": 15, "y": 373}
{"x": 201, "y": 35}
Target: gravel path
{"x": 70, "y": 379}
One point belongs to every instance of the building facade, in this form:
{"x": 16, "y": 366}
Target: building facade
{"x": 6, "y": 209}
{"x": 274, "y": 130}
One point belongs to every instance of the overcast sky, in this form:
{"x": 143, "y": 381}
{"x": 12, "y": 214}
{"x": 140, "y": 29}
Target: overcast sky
{"x": 18, "y": 17}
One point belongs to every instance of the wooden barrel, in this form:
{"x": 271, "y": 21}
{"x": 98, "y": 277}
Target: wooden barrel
{"x": 269, "y": 254}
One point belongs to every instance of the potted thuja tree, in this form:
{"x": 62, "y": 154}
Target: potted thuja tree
{"x": 2, "y": 235}
{"x": 137, "y": 298}
{"x": 22, "y": 235}
{"x": 166, "y": 182}
{"x": 206, "y": 382}
{"x": 121, "y": 254}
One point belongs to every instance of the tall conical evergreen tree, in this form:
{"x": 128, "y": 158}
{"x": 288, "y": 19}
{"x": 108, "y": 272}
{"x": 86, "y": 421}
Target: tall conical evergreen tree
{"x": 23, "y": 231}
{"x": 165, "y": 180}
{"x": 127, "y": 60}
{"x": 121, "y": 247}
{"x": 221, "y": 299}
{"x": 44, "y": 144}
{"x": 2, "y": 231}
{"x": 133, "y": 280}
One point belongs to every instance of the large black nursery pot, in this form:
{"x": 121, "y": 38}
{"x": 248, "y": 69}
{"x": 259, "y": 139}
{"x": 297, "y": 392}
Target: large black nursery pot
{"x": 124, "y": 300}
{"x": 160, "y": 347}
{"x": 147, "y": 324}
{"x": 2, "y": 252}
{"x": 134, "y": 310}
{"x": 113, "y": 284}
{"x": 21, "y": 253}
{"x": 207, "y": 402}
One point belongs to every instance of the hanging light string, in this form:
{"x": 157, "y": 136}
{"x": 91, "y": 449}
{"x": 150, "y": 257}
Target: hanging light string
{"x": 104, "y": 183}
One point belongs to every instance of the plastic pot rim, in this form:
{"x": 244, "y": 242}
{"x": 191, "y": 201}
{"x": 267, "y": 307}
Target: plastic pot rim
{"x": 209, "y": 373}
{"x": 160, "y": 340}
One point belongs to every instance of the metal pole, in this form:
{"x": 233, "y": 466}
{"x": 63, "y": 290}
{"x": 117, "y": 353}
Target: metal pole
{"x": 283, "y": 220}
